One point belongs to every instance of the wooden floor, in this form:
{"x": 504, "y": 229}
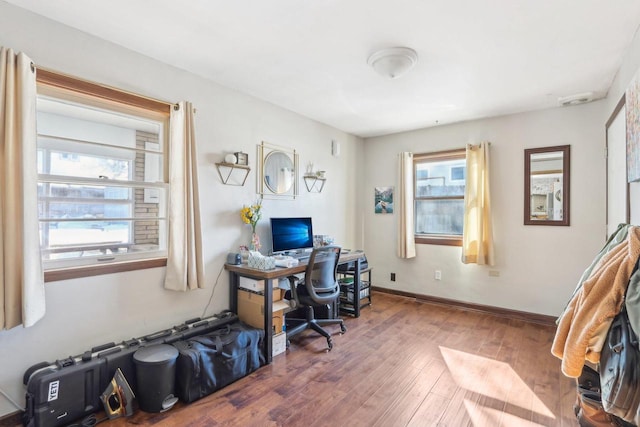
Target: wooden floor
{"x": 402, "y": 363}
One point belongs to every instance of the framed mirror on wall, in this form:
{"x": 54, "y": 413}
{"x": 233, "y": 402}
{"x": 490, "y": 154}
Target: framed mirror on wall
{"x": 546, "y": 185}
{"x": 277, "y": 175}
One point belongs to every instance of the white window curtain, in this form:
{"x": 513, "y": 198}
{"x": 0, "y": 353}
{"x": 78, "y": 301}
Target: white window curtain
{"x": 406, "y": 238}
{"x": 477, "y": 239}
{"x": 185, "y": 267}
{"x": 22, "y": 296}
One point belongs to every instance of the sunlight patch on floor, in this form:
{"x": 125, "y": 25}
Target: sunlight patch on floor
{"x": 494, "y": 379}
{"x": 489, "y": 417}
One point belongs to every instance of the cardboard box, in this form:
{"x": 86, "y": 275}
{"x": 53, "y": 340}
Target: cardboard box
{"x": 279, "y": 344}
{"x": 251, "y": 310}
{"x": 278, "y": 322}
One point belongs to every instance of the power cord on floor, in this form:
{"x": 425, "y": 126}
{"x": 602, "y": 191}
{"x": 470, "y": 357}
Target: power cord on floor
{"x": 212, "y": 291}
{"x": 88, "y": 421}
{"x": 13, "y": 402}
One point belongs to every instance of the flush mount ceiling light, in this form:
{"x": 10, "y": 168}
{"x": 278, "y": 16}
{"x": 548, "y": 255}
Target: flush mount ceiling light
{"x": 393, "y": 62}
{"x": 579, "y": 98}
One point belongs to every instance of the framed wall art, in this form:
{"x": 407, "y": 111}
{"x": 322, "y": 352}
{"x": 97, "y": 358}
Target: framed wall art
{"x": 632, "y": 114}
{"x": 383, "y": 200}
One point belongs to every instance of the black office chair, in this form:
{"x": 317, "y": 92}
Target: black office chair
{"x": 318, "y": 288}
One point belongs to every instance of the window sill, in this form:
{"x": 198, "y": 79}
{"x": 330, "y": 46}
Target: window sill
{"x": 97, "y": 270}
{"x": 440, "y": 240}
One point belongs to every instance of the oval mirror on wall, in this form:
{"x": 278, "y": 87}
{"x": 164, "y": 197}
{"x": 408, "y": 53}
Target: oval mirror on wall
{"x": 277, "y": 171}
{"x": 546, "y": 185}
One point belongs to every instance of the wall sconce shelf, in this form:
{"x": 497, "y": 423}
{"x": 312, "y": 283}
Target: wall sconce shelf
{"x": 239, "y": 173}
{"x": 314, "y": 184}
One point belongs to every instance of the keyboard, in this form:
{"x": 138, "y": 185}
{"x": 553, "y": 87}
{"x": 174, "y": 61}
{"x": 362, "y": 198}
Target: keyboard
{"x": 299, "y": 256}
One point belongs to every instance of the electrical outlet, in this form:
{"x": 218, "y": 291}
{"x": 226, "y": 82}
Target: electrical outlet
{"x": 438, "y": 275}
{"x": 393, "y": 277}
{"x": 494, "y": 273}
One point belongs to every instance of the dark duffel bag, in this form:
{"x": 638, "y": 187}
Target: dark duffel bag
{"x": 619, "y": 374}
{"x": 209, "y": 362}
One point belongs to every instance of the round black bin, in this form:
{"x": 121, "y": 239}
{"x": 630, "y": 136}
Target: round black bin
{"x": 156, "y": 374}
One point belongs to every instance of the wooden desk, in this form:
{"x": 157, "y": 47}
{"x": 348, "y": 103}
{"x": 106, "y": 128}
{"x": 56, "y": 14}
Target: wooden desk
{"x": 236, "y": 271}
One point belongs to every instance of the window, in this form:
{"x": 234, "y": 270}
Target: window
{"x": 439, "y": 197}
{"x": 458, "y": 173}
{"x": 102, "y": 186}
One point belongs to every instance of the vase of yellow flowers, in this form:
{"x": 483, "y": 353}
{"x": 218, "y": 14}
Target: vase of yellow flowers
{"x": 251, "y": 215}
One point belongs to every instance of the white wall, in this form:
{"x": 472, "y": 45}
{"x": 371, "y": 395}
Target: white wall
{"x": 616, "y": 172}
{"x": 86, "y": 312}
{"x": 539, "y": 266}
{"x": 628, "y": 69}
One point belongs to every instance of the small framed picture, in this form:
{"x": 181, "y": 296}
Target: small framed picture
{"x": 243, "y": 158}
{"x": 383, "y": 200}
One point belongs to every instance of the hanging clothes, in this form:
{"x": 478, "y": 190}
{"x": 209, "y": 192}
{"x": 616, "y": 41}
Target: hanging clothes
{"x": 583, "y": 326}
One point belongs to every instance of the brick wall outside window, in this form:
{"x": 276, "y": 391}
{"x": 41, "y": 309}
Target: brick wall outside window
{"x": 145, "y": 232}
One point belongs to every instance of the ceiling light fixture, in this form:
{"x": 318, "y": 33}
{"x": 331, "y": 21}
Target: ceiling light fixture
{"x": 579, "y": 98}
{"x": 393, "y": 62}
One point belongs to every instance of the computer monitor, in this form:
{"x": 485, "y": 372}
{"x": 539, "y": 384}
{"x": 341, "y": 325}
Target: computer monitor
{"x": 291, "y": 234}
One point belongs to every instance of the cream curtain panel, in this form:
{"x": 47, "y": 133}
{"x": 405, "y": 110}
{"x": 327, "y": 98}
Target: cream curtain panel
{"x": 406, "y": 240}
{"x": 22, "y": 296}
{"x": 185, "y": 266}
{"x": 477, "y": 239}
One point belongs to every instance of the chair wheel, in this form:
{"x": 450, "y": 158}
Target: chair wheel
{"x": 329, "y": 344}
{"x": 343, "y": 328}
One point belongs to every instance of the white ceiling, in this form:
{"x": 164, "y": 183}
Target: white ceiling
{"x": 476, "y": 58}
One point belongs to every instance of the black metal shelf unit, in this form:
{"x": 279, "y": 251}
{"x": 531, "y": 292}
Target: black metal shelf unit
{"x": 352, "y": 296}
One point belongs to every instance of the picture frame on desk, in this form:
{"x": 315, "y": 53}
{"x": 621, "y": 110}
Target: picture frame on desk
{"x": 243, "y": 158}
